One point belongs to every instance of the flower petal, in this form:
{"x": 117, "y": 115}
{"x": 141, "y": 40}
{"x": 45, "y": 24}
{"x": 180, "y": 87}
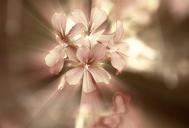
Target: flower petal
{"x": 122, "y": 47}
{"x": 71, "y": 53}
{"x": 118, "y": 61}
{"x": 55, "y": 69}
{"x": 83, "y": 54}
{"x": 69, "y": 25}
{"x": 100, "y": 75}
{"x": 119, "y": 33}
{"x": 73, "y": 76}
{"x": 76, "y": 32}
{"x": 100, "y": 37}
{"x": 59, "y": 49}
{"x": 104, "y": 39}
{"x": 98, "y": 17}
{"x": 98, "y": 52}
{"x": 55, "y": 55}
{"x": 51, "y": 59}
{"x": 79, "y": 17}
{"x": 88, "y": 83}
{"x": 59, "y": 21}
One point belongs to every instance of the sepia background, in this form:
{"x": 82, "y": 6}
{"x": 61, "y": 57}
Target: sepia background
{"x": 157, "y": 74}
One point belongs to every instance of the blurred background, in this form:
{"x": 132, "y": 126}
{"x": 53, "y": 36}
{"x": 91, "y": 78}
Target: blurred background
{"x": 157, "y": 75}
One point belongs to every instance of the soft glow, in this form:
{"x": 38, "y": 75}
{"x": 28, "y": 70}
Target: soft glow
{"x": 82, "y": 117}
{"x": 153, "y": 5}
{"x": 140, "y": 56}
{"x": 106, "y": 5}
{"x": 137, "y": 47}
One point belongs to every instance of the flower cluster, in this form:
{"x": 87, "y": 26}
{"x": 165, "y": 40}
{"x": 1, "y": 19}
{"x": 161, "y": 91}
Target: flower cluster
{"x": 84, "y": 43}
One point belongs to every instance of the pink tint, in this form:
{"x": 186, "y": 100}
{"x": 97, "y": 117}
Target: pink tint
{"x": 121, "y": 117}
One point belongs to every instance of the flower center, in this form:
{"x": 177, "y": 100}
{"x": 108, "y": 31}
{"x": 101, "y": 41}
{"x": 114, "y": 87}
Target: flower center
{"x": 63, "y": 37}
{"x": 86, "y": 66}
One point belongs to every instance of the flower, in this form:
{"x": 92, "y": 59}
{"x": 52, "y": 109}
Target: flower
{"x": 66, "y": 30}
{"x": 91, "y": 26}
{"x": 117, "y": 49}
{"x": 83, "y": 44}
{"x": 88, "y": 69}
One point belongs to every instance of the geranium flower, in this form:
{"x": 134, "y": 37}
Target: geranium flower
{"x": 88, "y": 69}
{"x": 117, "y": 49}
{"x": 91, "y": 26}
{"x": 86, "y": 57}
{"x": 66, "y": 31}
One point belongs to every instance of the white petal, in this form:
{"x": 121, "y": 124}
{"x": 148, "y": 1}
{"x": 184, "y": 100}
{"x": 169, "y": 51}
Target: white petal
{"x": 59, "y": 21}
{"x": 55, "y": 69}
{"x": 69, "y": 25}
{"x": 88, "y": 83}
{"x": 98, "y": 17}
{"x": 73, "y": 76}
{"x": 51, "y": 59}
{"x": 100, "y": 37}
{"x": 118, "y": 61}
{"x": 79, "y": 17}
{"x": 105, "y": 38}
{"x": 82, "y": 41}
{"x": 76, "y": 32}
{"x": 100, "y": 75}
{"x": 90, "y": 40}
{"x": 55, "y": 55}
{"x": 59, "y": 49}
{"x": 119, "y": 33}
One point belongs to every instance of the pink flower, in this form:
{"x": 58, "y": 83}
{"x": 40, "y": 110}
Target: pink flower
{"x": 85, "y": 52}
{"x": 66, "y": 30}
{"x": 118, "y": 48}
{"x": 88, "y": 68}
{"x": 121, "y": 116}
{"x": 91, "y": 26}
